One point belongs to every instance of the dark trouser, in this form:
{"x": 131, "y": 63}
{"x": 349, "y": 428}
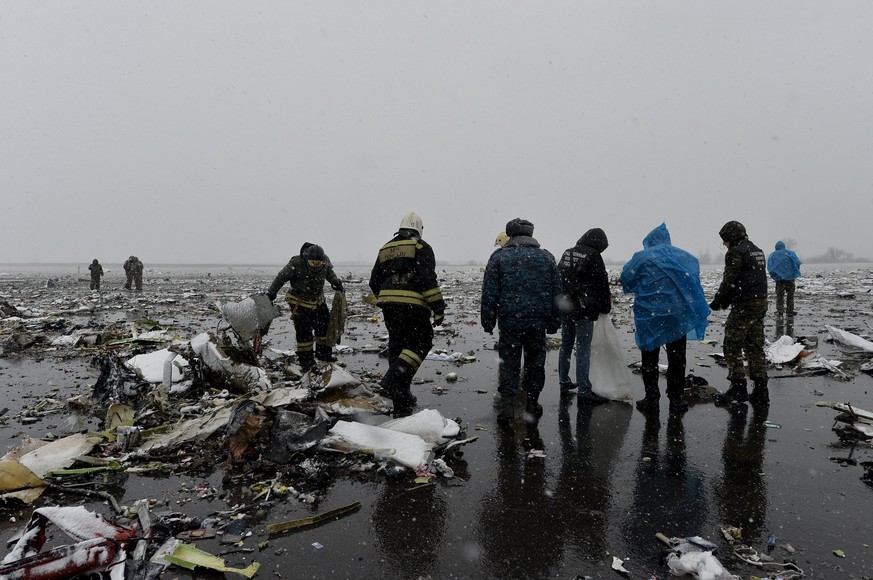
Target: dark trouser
{"x": 784, "y": 296}
{"x": 512, "y": 343}
{"x": 744, "y": 332}
{"x": 784, "y": 308}
{"x": 129, "y": 280}
{"x": 675, "y": 370}
{"x": 95, "y": 283}
{"x": 310, "y": 325}
{"x": 137, "y": 280}
{"x": 410, "y": 338}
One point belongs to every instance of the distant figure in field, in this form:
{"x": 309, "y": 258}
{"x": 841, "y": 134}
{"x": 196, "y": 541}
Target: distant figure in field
{"x": 133, "y": 268}
{"x": 784, "y": 267}
{"x": 96, "y": 271}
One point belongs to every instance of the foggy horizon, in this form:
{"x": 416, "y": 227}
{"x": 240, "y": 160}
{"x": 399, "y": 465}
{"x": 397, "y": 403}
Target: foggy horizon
{"x": 230, "y": 133}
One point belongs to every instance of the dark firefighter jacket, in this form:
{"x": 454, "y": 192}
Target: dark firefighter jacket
{"x": 405, "y": 273}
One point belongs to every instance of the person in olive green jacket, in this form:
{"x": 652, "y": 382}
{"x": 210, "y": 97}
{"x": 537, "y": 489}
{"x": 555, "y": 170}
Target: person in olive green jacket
{"x": 743, "y": 289}
{"x": 306, "y": 273}
{"x": 96, "y": 272}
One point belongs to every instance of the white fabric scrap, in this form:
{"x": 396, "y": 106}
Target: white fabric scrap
{"x": 407, "y": 450}
{"x": 783, "y": 350}
{"x": 701, "y": 565}
{"x": 428, "y": 424}
{"x": 444, "y": 356}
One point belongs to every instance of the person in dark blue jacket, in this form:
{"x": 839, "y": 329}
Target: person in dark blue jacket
{"x": 783, "y": 266}
{"x": 519, "y": 294}
{"x": 669, "y": 308}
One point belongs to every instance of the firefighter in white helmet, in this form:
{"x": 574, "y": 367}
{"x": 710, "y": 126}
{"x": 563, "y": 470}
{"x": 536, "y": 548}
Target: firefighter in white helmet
{"x": 405, "y": 283}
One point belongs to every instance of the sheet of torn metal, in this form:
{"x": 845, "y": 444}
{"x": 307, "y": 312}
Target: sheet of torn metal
{"x": 151, "y": 366}
{"x": 311, "y": 521}
{"x": 58, "y": 454}
{"x": 856, "y": 418}
{"x": 249, "y": 315}
{"x": 196, "y": 429}
{"x": 189, "y": 557}
{"x": 847, "y": 338}
{"x": 246, "y": 376}
{"x": 100, "y": 546}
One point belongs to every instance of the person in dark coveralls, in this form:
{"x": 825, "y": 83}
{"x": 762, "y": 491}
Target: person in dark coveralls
{"x": 96, "y": 272}
{"x": 783, "y": 265}
{"x": 405, "y": 283}
{"x": 520, "y": 293}
{"x": 669, "y": 308}
{"x": 586, "y": 297}
{"x": 306, "y": 274}
{"x": 133, "y": 269}
{"x": 744, "y": 289}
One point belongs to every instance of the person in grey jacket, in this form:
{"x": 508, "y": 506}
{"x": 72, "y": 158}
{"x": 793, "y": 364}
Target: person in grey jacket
{"x": 519, "y": 294}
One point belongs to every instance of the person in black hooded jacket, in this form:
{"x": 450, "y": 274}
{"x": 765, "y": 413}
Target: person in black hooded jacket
{"x": 586, "y": 296}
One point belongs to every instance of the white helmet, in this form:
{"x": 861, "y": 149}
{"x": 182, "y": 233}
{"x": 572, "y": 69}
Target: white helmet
{"x": 411, "y": 221}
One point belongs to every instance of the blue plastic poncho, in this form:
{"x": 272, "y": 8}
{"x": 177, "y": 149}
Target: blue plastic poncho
{"x": 669, "y": 301}
{"x": 783, "y": 264}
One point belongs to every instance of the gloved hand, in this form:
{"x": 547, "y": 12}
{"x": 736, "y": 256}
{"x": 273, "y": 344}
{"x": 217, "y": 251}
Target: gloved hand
{"x": 488, "y": 330}
{"x": 271, "y": 296}
{"x": 713, "y": 305}
{"x": 438, "y": 319}
{"x": 338, "y": 287}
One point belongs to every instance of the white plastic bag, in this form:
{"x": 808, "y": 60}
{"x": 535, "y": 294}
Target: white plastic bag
{"x": 609, "y": 374}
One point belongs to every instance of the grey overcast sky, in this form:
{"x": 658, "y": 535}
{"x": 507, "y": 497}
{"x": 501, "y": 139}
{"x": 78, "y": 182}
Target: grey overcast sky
{"x": 231, "y": 132}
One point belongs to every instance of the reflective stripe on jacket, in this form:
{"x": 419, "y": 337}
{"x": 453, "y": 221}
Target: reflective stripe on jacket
{"x": 405, "y": 273}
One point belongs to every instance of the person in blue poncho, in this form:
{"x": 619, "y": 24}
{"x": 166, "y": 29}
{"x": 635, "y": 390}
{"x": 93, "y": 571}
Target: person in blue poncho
{"x": 784, "y": 267}
{"x": 669, "y": 308}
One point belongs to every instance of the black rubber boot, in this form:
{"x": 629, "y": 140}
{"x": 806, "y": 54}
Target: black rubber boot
{"x": 678, "y": 406}
{"x": 306, "y": 360}
{"x": 404, "y": 403}
{"x": 324, "y": 353}
{"x": 760, "y": 396}
{"x": 650, "y": 404}
{"x": 735, "y": 394}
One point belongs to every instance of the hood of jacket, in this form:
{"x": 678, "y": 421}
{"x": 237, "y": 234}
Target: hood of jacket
{"x": 594, "y": 238}
{"x": 657, "y": 236}
{"x": 780, "y": 245}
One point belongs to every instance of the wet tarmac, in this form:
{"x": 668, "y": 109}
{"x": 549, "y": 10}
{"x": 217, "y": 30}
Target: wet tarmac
{"x": 608, "y": 481}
